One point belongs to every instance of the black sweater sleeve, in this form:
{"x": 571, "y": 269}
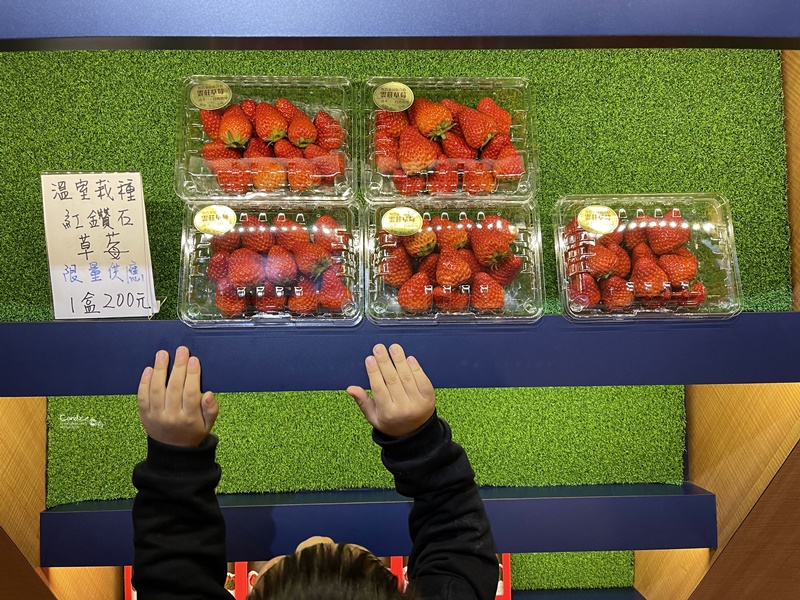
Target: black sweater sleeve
{"x": 178, "y": 530}
{"x": 453, "y": 555}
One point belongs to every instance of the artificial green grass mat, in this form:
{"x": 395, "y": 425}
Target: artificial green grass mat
{"x": 292, "y": 441}
{"x": 561, "y": 570}
{"x": 606, "y": 121}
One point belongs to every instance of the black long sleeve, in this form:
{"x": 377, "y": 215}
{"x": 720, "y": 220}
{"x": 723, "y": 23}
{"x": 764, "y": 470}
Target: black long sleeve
{"x": 178, "y": 529}
{"x": 453, "y": 555}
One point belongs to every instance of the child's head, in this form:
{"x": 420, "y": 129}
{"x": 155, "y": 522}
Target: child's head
{"x": 338, "y": 571}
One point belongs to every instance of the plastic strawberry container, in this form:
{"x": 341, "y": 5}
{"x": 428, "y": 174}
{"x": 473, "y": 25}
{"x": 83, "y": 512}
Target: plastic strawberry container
{"x": 269, "y": 263}
{"x": 396, "y": 162}
{"x": 221, "y": 157}
{"x": 646, "y": 256}
{"x": 431, "y": 263}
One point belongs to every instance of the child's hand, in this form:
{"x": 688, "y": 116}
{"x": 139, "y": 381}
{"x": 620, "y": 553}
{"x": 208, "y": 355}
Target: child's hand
{"x": 403, "y": 398}
{"x": 176, "y": 413}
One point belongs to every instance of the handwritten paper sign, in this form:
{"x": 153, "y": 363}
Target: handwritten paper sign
{"x": 97, "y": 245}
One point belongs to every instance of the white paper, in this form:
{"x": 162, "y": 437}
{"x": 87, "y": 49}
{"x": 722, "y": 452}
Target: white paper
{"x": 97, "y": 245}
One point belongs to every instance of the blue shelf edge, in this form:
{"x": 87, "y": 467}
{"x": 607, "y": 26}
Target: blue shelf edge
{"x": 98, "y": 358}
{"x": 532, "y": 519}
{"x": 578, "y": 594}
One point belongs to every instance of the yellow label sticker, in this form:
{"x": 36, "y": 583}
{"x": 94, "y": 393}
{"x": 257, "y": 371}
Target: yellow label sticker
{"x": 211, "y": 94}
{"x": 393, "y": 96}
{"x": 598, "y": 219}
{"x": 401, "y": 221}
{"x": 215, "y": 219}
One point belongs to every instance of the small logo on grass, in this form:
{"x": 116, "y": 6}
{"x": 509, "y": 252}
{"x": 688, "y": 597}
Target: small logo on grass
{"x": 78, "y": 421}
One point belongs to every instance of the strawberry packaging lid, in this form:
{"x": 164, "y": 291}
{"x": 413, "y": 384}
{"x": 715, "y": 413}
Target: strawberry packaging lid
{"x": 646, "y": 256}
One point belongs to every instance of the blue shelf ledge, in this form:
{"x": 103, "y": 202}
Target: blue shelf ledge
{"x": 100, "y": 358}
{"x": 546, "y": 519}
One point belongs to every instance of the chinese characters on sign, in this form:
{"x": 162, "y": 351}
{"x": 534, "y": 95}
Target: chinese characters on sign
{"x": 97, "y": 245}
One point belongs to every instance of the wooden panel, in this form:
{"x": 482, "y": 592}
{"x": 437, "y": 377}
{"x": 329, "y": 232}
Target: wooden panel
{"x": 84, "y": 583}
{"x": 762, "y": 560}
{"x": 791, "y": 102}
{"x": 17, "y": 578}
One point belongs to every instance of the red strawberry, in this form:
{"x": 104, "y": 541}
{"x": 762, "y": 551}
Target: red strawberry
{"x": 487, "y": 294}
{"x": 411, "y": 115}
{"x": 453, "y": 106}
{"x": 256, "y": 148}
{"x": 329, "y": 131}
{"x": 506, "y": 269}
{"x": 235, "y": 128}
{"x": 216, "y": 151}
{"x": 245, "y": 268}
{"x": 583, "y": 291}
{"x": 217, "y": 268}
{"x": 615, "y": 237}
{"x": 311, "y": 259}
{"x": 509, "y": 165}
{"x": 456, "y": 147}
{"x": 448, "y": 234}
{"x": 288, "y": 232}
{"x": 303, "y": 174}
{"x": 386, "y": 154}
{"x": 211, "y": 120}
{"x": 489, "y": 245}
{"x": 329, "y": 164}
{"x": 270, "y": 124}
{"x": 670, "y": 233}
{"x": 432, "y": 118}
{"x": 249, "y": 109}
{"x": 680, "y": 269}
{"x": 416, "y": 294}
{"x": 421, "y": 243}
{"x": 333, "y": 294}
{"x": 478, "y": 127}
{"x": 390, "y": 123}
{"x": 616, "y": 293}
{"x": 498, "y": 223}
{"x": 269, "y": 298}
{"x": 501, "y": 117}
{"x": 285, "y": 149}
{"x": 304, "y": 296}
{"x": 623, "y": 260}
{"x": 408, "y": 185}
{"x": 330, "y": 235}
{"x": 395, "y": 268}
{"x": 228, "y": 300}
{"x": 444, "y": 178}
{"x": 301, "y": 130}
{"x": 468, "y": 225}
{"x": 478, "y": 178}
{"x": 286, "y": 108}
{"x": 636, "y": 231}
{"x": 649, "y": 280}
{"x": 452, "y": 269}
{"x": 280, "y": 267}
{"x": 601, "y": 262}
{"x": 269, "y": 174}
{"x": 226, "y": 242}
{"x": 428, "y": 266}
{"x": 641, "y": 251}
{"x": 692, "y": 297}
{"x": 469, "y": 256}
{"x": 416, "y": 153}
{"x": 233, "y": 175}
{"x": 497, "y": 143}
{"x": 450, "y": 299}
{"x": 255, "y": 234}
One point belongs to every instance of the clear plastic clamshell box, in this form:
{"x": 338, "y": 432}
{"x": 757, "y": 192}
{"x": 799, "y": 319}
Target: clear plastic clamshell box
{"x": 430, "y": 149}
{"x": 476, "y": 262}
{"x": 271, "y": 263}
{"x": 646, "y": 256}
{"x": 298, "y": 144}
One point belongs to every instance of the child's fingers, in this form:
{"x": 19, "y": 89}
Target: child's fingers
{"x": 158, "y": 381}
{"x": 388, "y": 372}
{"x": 403, "y": 370}
{"x": 143, "y": 395}
{"x": 191, "y": 388}
{"x": 177, "y": 379}
{"x": 210, "y": 408}
{"x": 365, "y": 403}
{"x": 380, "y": 393}
{"x": 424, "y": 384}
